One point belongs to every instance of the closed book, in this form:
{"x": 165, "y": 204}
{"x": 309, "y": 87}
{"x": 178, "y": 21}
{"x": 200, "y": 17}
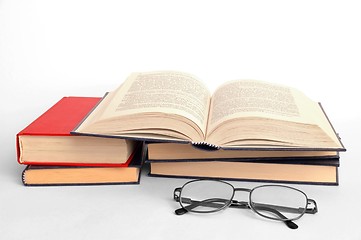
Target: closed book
{"x": 45, "y": 175}
{"x": 318, "y": 172}
{"x": 47, "y": 140}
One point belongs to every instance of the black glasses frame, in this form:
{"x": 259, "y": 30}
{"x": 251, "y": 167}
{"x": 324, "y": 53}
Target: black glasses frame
{"x": 219, "y": 204}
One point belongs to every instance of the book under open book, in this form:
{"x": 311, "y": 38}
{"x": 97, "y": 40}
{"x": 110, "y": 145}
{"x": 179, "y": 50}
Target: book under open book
{"x": 47, "y": 140}
{"x": 177, "y": 152}
{"x": 242, "y": 114}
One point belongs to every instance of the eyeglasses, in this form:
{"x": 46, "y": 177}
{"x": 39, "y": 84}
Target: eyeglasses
{"x": 276, "y": 202}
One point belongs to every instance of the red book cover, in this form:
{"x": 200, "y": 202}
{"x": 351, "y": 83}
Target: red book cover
{"x": 60, "y": 120}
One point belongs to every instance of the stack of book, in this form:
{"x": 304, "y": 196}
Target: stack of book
{"x": 184, "y": 160}
{"x": 55, "y": 157}
{"x": 246, "y": 130}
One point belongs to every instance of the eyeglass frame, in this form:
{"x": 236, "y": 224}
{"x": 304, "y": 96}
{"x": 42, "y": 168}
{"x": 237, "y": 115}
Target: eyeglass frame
{"x": 177, "y": 193}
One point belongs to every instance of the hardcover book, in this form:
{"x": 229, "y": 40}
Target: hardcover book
{"x": 302, "y": 171}
{"x": 171, "y": 106}
{"x": 47, "y": 140}
{"x": 42, "y": 175}
{"x": 172, "y": 152}
{"x": 186, "y": 161}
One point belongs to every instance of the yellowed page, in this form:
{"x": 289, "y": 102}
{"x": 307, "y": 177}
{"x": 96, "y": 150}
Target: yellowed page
{"x": 176, "y": 151}
{"x": 164, "y": 92}
{"x": 251, "y": 98}
{"x": 313, "y": 112}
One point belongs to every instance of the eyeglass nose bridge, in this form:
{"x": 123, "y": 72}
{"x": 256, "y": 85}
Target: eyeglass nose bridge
{"x": 240, "y": 204}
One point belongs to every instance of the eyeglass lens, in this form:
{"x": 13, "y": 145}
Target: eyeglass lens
{"x": 290, "y": 202}
{"x": 206, "y": 196}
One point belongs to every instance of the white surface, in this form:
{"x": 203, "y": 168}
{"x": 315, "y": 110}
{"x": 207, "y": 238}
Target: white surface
{"x": 50, "y": 49}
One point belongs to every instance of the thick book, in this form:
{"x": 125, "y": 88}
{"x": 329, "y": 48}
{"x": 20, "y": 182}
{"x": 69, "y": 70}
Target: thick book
{"x": 172, "y": 152}
{"x": 300, "y": 171}
{"x": 47, "y": 140}
{"x": 170, "y": 106}
{"x": 42, "y": 175}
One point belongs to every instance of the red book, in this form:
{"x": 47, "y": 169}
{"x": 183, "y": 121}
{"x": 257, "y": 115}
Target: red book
{"x": 47, "y": 140}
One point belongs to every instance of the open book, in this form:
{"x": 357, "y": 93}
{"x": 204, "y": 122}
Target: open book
{"x": 241, "y": 114}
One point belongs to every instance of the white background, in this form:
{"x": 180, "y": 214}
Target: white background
{"x": 51, "y": 49}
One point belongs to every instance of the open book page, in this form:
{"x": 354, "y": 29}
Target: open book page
{"x": 164, "y": 95}
{"x": 256, "y": 100}
{"x": 313, "y": 112}
{"x": 250, "y": 98}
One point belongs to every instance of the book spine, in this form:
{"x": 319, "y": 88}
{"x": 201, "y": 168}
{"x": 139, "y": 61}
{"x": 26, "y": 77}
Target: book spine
{"x": 17, "y": 149}
{"x": 206, "y": 146}
{"x": 23, "y": 176}
{"x": 73, "y": 131}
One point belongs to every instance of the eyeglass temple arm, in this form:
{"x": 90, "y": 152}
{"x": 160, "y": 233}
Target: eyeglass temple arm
{"x": 311, "y": 210}
{"x": 176, "y": 197}
{"x": 265, "y": 207}
{"x": 289, "y": 223}
{"x": 285, "y": 209}
{"x": 211, "y": 202}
